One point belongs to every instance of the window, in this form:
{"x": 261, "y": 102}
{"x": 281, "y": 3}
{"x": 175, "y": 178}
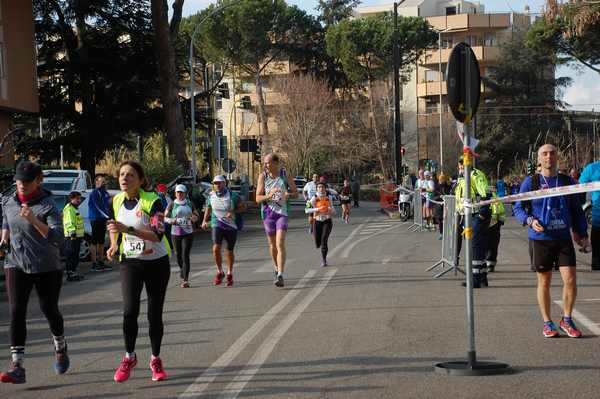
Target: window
{"x": 472, "y": 41}
{"x": 218, "y": 101}
{"x": 451, "y": 10}
{"x": 448, "y": 41}
{"x": 431, "y": 76}
{"x": 490, "y": 39}
{"x": 219, "y": 125}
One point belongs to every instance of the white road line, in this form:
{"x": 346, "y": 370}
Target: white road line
{"x": 268, "y": 267}
{"x": 218, "y": 367}
{"x": 350, "y": 247}
{"x": 386, "y": 261}
{"x": 583, "y": 319}
{"x": 202, "y": 273}
{"x": 261, "y": 355}
{"x": 348, "y": 239}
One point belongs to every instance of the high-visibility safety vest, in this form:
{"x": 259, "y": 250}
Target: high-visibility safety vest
{"x": 498, "y": 212}
{"x": 146, "y": 201}
{"x": 72, "y": 221}
{"x": 479, "y": 186}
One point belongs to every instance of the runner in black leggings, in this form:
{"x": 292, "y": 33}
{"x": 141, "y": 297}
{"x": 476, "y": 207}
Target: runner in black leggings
{"x": 322, "y": 207}
{"x": 182, "y": 215}
{"x": 33, "y": 226}
{"x": 137, "y": 238}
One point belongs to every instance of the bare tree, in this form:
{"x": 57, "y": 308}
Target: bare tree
{"x": 304, "y": 118}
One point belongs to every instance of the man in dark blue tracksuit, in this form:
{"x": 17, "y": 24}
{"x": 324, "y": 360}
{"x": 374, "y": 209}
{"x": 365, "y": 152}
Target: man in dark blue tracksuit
{"x": 550, "y": 222}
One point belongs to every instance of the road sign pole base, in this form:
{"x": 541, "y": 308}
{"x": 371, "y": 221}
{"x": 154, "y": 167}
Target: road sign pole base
{"x": 472, "y": 368}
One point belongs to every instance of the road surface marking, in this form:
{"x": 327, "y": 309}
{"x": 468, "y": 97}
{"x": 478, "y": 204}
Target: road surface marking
{"x": 261, "y": 355}
{"x": 583, "y": 319}
{"x": 268, "y": 267}
{"x": 218, "y": 367}
{"x": 350, "y": 247}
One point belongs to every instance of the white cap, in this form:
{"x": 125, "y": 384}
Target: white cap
{"x": 219, "y": 178}
{"x": 180, "y": 188}
{"x": 427, "y": 173}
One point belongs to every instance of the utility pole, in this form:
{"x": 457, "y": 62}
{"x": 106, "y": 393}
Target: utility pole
{"x": 397, "y": 126}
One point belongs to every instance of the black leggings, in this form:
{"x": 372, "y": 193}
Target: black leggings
{"x": 19, "y": 285}
{"x": 322, "y": 231}
{"x": 183, "y": 246}
{"x": 134, "y": 275}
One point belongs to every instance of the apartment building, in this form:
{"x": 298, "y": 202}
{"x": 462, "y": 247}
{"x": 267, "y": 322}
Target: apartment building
{"x": 18, "y": 80}
{"x": 235, "y": 111}
{"x": 424, "y": 94}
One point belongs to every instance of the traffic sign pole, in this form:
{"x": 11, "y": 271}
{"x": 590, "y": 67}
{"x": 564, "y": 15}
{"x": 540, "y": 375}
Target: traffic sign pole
{"x": 464, "y": 85}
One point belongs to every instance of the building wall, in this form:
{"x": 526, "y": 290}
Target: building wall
{"x": 18, "y": 77}
{"x": 18, "y": 81}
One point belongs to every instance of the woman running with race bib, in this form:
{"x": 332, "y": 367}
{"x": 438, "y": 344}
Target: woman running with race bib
{"x": 182, "y": 215}
{"x": 137, "y": 240}
{"x": 273, "y": 190}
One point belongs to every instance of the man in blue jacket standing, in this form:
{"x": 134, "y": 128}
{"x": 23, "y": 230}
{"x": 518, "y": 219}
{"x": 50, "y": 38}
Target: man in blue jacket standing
{"x": 550, "y": 222}
{"x": 98, "y": 206}
{"x": 590, "y": 174}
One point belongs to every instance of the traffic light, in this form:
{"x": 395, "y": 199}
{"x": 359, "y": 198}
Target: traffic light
{"x": 222, "y": 147}
{"x": 257, "y": 154}
{"x": 402, "y": 151}
{"x": 530, "y": 168}
{"x": 206, "y": 154}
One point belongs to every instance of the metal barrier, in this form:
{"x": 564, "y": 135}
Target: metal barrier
{"x": 448, "y": 261}
{"x": 417, "y": 213}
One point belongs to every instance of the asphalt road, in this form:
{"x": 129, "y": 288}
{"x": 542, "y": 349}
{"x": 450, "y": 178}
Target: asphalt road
{"x": 371, "y": 325}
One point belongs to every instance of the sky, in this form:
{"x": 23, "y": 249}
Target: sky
{"x": 581, "y": 95}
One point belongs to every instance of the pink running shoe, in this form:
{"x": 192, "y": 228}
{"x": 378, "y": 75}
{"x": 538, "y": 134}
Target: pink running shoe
{"x": 158, "y": 372}
{"x": 124, "y": 371}
{"x": 569, "y": 328}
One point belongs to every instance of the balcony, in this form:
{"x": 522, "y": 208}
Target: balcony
{"x": 427, "y": 89}
{"x": 483, "y": 54}
{"x": 470, "y": 21}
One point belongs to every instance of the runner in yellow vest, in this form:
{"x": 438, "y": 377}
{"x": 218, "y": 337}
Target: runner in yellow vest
{"x": 137, "y": 239}
{"x": 73, "y": 228}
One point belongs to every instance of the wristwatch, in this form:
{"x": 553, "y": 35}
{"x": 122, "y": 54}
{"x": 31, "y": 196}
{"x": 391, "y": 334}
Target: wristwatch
{"x": 130, "y": 229}
{"x": 530, "y": 220}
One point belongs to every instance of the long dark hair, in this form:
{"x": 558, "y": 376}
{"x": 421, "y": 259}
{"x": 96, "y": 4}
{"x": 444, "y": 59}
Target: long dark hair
{"x": 139, "y": 169}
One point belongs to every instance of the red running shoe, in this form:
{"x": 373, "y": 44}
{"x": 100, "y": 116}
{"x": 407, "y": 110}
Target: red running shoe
{"x": 229, "y": 280}
{"x": 569, "y": 328}
{"x": 124, "y": 371}
{"x": 16, "y": 374}
{"x": 550, "y": 330}
{"x": 158, "y": 372}
{"x": 219, "y": 278}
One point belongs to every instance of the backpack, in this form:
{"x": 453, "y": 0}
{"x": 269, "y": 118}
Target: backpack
{"x": 563, "y": 180}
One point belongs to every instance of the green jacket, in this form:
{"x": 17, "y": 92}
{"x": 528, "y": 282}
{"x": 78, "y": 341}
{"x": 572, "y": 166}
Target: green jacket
{"x": 498, "y": 212}
{"x": 72, "y": 221}
{"x": 479, "y": 186}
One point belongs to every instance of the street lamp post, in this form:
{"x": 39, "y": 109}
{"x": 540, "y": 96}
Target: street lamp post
{"x": 440, "y": 77}
{"x": 191, "y": 62}
{"x": 397, "y": 132}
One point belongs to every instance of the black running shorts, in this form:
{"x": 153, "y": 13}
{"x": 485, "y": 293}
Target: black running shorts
{"x": 545, "y": 254}
{"x": 218, "y": 234}
{"x": 98, "y": 231}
